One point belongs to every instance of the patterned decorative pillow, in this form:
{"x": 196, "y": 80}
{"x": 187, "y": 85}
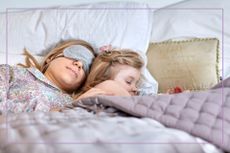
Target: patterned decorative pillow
{"x": 188, "y": 64}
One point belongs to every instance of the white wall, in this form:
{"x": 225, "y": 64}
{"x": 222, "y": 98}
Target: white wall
{"x": 49, "y": 3}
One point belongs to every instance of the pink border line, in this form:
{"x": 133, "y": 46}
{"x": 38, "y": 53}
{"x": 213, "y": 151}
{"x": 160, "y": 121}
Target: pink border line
{"x": 109, "y": 8}
{"x": 128, "y": 143}
{"x": 112, "y": 8}
{"x": 7, "y": 74}
{"x": 222, "y": 98}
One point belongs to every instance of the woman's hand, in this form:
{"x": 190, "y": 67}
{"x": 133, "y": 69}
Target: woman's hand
{"x": 94, "y": 92}
{"x": 108, "y": 88}
{"x": 111, "y": 86}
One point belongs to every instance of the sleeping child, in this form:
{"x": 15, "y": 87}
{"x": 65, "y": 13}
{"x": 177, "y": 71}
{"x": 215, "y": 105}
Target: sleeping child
{"x": 114, "y": 72}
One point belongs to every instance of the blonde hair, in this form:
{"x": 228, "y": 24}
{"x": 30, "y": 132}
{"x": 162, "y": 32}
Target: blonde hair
{"x": 101, "y": 67}
{"x": 30, "y": 61}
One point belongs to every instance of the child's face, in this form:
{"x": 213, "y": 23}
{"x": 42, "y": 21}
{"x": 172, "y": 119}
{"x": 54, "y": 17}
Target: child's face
{"x": 127, "y": 77}
{"x": 66, "y": 73}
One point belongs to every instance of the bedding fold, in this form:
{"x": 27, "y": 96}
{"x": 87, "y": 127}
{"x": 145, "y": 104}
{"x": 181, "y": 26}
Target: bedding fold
{"x": 203, "y": 114}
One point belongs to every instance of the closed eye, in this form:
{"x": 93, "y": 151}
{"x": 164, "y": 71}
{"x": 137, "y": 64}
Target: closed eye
{"x": 129, "y": 82}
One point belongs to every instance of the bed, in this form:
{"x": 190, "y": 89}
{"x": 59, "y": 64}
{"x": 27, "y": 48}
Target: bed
{"x": 80, "y": 129}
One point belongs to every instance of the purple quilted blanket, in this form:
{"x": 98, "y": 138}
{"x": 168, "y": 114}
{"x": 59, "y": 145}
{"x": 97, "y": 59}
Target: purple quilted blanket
{"x": 205, "y": 114}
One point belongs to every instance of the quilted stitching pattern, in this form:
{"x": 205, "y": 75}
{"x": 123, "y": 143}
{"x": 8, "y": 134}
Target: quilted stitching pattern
{"x": 204, "y": 114}
{"x": 79, "y": 131}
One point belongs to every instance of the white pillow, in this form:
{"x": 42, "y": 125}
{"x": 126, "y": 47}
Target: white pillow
{"x": 100, "y": 24}
{"x": 121, "y": 24}
{"x": 204, "y": 19}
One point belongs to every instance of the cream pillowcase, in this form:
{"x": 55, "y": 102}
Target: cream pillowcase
{"x": 189, "y": 64}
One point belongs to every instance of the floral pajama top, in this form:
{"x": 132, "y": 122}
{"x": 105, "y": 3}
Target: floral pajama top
{"x": 27, "y": 90}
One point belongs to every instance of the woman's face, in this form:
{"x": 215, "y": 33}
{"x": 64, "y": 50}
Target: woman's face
{"x": 127, "y": 76}
{"x": 66, "y": 73}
